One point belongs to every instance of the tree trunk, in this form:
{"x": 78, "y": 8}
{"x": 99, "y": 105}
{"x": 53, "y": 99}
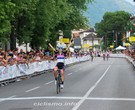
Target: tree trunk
{"x": 13, "y": 36}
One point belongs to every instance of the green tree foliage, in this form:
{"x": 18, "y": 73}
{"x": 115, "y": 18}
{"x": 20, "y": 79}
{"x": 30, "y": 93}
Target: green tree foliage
{"x": 73, "y": 20}
{"x": 23, "y": 22}
{"x": 48, "y": 14}
{"x": 5, "y": 16}
{"x": 113, "y": 24}
{"x": 38, "y": 21}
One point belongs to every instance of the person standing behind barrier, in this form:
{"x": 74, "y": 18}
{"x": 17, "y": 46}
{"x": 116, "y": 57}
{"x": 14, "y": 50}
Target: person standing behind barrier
{"x": 20, "y": 59}
{"x": 37, "y": 57}
{"x": 11, "y": 61}
{"x": 3, "y": 58}
{"x": 2, "y": 61}
{"x": 92, "y": 56}
{"x": 107, "y": 55}
{"x": 104, "y": 56}
{"x": 15, "y": 54}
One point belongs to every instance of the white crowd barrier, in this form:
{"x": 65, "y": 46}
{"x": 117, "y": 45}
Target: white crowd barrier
{"x": 118, "y": 55}
{"x": 131, "y": 60}
{"x": 10, "y": 72}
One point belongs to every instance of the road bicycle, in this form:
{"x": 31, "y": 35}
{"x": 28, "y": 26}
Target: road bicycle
{"x": 58, "y": 82}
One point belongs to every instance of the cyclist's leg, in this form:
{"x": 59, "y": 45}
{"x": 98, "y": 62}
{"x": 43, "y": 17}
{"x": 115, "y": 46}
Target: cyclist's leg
{"x": 62, "y": 75}
{"x": 55, "y": 72}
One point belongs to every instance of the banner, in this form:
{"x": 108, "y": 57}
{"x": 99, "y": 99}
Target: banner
{"x": 132, "y": 39}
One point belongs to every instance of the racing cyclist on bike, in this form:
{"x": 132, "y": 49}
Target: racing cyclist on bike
{"x": 60, "y": 57}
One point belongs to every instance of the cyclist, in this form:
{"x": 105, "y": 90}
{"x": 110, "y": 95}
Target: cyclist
{"x": 60, "y": 57}
{"x": 92, "y": 56}
{"x": 103, "y": 56}
{"x": 107, "y": 55}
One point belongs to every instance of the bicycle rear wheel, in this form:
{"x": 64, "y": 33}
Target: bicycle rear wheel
{"x": 58, "y": 84}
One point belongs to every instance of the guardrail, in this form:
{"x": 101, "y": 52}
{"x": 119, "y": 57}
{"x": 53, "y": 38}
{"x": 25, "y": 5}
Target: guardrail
{"x": 15, "y": 72}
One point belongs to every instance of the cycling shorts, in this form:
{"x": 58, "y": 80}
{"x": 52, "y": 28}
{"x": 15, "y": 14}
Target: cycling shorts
{"x": 60, "y": 65}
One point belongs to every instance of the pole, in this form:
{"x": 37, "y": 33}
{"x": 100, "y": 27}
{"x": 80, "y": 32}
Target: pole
{"x": 116, "y": 35}
{"x": 92, "y": 42}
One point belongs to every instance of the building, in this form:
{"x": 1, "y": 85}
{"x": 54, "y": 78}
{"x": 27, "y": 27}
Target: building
{"x": 89, "y": 40}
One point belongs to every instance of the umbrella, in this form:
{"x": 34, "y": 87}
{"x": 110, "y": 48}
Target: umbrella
{"x": 120, "y": 48}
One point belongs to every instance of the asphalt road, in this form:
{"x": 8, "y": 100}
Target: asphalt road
{"x": 98, "y": 85}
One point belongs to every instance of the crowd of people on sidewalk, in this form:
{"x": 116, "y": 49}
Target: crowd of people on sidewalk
{"x": 130, "y": 53}
{"x": 20, "y": 57}
{"x": 15, "y": 57}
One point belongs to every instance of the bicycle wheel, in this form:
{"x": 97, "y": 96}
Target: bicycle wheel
{"x": 57, "y": 86}
{"x": 58, "y": 82}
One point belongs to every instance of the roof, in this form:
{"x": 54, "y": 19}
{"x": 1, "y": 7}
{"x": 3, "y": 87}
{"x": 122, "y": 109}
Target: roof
{"x": 90, "y": 30}
{"x": 91, "y": 37}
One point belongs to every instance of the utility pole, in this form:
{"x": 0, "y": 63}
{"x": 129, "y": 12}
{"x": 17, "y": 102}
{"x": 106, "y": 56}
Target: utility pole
{"x": 116, "y": 35}
{"x": 92, "y": 41}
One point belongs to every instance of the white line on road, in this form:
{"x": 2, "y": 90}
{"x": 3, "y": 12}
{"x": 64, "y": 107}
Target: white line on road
{"x": 32, "y": 89}
{"x": 69, "y": 74}
{"x": 111, "y": 99}
{"x": 4, "y": 99}
{"x": 90, "y": 90}
{"x": 67, "y": 98}
{"x": 47, "y": 97}
{"x": 49, "y": 82}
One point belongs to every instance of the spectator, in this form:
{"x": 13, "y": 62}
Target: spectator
{"x": 2, "y": 61}
{"x": 10, "y": 60}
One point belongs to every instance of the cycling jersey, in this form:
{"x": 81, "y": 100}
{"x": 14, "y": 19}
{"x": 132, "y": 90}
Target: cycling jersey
{"x": 60, "y": 58}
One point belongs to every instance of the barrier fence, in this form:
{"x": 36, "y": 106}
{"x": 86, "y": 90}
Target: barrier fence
{"x": 131, "y": 60}
{"x": 19, "y": 70}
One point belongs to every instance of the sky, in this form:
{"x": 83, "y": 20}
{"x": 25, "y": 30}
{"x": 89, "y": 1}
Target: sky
{"x": 97, "y": 9}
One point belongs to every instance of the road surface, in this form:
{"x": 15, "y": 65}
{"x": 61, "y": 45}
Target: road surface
{"x": 98, "y": 85}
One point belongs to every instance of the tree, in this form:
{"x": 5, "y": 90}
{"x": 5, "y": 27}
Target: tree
{"x": 23, "y": 22}
{"x": 113, "y": 26}
{"x": 74, "y": 20}
{"x": 48, "y": 15}
{"x": 6, "y": 14}
{"x": 38, "y": 21}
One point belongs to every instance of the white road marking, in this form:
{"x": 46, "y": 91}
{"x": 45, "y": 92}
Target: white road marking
{"x": 67, "y": 98}
{"x": 49, "y": 82}
{"x": 90, "y": 90}
{"x": 47, "y": 97}
{"x": 4, "y": 99}
{"x": 32, "y": 89}
{"x": 111, "y": 99}
{"x": 69, "y": 74}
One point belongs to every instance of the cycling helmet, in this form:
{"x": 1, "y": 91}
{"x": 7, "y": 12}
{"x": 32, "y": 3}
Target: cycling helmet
{"x": 60, "y": 47}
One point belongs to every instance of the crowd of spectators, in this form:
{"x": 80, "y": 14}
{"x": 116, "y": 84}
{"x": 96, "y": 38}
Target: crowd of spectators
{"x": 130, "y": 53}
{"x": 18, "y": 57}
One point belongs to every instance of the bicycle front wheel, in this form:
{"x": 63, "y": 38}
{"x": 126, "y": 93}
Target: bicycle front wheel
{"x": 58, "y": 85}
